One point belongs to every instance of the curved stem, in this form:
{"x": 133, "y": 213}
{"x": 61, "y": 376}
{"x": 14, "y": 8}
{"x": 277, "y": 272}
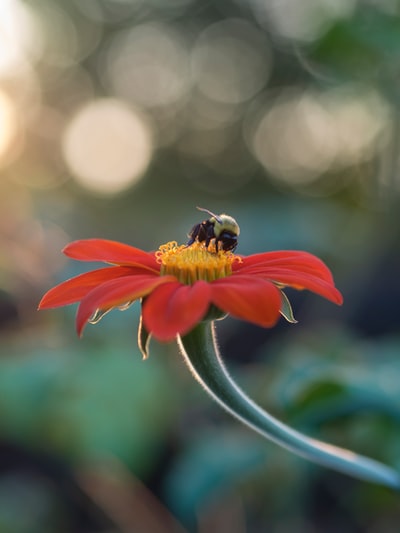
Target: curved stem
{"x": 201, "y": 354}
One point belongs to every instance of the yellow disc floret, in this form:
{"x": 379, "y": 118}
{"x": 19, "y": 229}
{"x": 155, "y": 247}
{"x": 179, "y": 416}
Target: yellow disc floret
{"x": 192, "y": 263}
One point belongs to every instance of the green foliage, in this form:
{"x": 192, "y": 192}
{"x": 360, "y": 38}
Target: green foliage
{"x": 211, "y": 465}
{"x": 334, "y": 375}
{"x": 86, "y": 405}
{"x": 365, "y": 46}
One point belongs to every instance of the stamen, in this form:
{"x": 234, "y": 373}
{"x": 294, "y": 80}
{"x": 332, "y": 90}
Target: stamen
{"x": 195, "y": 262}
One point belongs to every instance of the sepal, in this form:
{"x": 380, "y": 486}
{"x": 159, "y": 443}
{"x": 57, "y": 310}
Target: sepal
{"x": 286, "y": 309}
{"x": 144, "y": 338}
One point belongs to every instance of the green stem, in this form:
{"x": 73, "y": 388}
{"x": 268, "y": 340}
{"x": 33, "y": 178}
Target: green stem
{"x": 201, "y": 354}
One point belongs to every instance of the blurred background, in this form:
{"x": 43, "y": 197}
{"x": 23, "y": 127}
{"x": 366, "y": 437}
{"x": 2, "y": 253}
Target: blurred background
{"x": 117, "y": 119}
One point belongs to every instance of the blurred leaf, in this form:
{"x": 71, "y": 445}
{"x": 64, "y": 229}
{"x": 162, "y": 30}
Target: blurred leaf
{"x": 26, "y": 384}
{"x": 364, "y": 45}
{"x": 358, "y": 389}
{"x": 87, "y": 405}
{"x": 210, "y": 465}
{"x": 36, "y": 498}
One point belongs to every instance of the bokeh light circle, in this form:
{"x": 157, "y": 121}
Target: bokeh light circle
{"x": 231, "y": 61}
{"x": 20, "y": 37}
{"x": 108, "y": 146}
{"x": 301, "y": 135}
{"x": 9, "y": 126}
{"x": 147, "y": 65}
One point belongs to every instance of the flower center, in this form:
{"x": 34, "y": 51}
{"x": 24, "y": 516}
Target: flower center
{"x": 192, "y": 263}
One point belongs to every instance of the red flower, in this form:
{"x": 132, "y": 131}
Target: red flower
{"x": 179, "y": 284}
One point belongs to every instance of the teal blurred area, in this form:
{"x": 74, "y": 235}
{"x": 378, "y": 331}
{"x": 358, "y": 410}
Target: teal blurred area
{"x": 117, "y": 119}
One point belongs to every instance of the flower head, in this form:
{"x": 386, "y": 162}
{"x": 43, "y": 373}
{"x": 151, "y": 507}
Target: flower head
{"x": 183, "y": 289}
{"x": 178, "y": 285}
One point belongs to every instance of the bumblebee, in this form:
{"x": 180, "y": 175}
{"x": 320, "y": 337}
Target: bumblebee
{"x": 222, "y": 228}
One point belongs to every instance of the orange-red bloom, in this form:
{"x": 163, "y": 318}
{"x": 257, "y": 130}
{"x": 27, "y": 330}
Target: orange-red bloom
{"x": 179, "y": 284}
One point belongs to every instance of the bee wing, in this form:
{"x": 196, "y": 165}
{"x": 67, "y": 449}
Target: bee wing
{"x": 217, "y": 218}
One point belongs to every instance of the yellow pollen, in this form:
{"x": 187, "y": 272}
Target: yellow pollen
{"x": 192, "y": 263}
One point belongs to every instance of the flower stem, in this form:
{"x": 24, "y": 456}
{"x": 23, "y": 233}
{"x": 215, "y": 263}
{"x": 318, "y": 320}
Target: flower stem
{"x": 201, "y": 354}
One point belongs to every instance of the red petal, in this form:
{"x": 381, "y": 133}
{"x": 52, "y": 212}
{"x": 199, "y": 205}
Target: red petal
{"x": 253, "y": 299}
{"x": 110, "y": 252}
{"x": 76, "y": 288}
{"x": 299, "y": 270}
{"x": 116, "y": 292}
{"x": 299, "y": 281}
{"x": 296, "y": 261}
{"x": 175, "y": 309}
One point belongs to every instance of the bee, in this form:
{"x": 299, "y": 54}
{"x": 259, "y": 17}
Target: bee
{"x": 222, "y": 228}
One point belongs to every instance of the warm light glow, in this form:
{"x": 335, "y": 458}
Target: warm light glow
{"x": 231, "y": 61}
{"x": 108, "y": 146}
{"x": 294, "y": 139}
{"x": 8, "y": 123}
{"x": 19, "y": 35}
{"x": 147, "y": 65}
{"x": 302, "y": 135}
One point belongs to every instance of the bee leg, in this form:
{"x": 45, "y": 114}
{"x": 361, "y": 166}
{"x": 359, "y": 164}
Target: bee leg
{"x": 209, "y": 235}
{"x": 193, "y": 234}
